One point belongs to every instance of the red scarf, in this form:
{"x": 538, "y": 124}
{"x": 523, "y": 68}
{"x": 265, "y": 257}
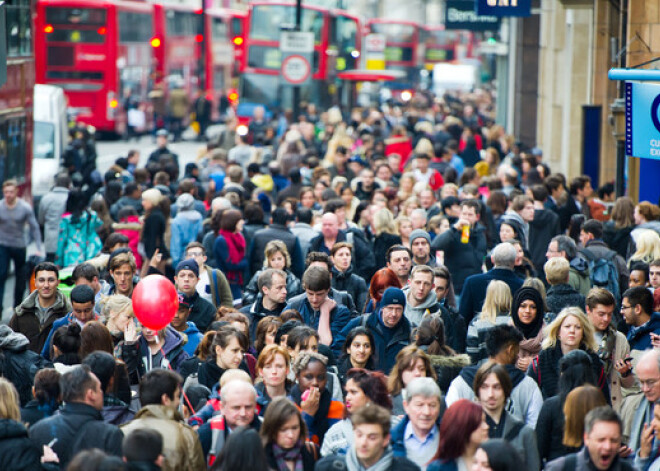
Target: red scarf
{"x": 236, "y": 246}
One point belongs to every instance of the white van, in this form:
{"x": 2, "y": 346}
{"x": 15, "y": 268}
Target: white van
{"x": 454, "y": 77}
{"x": 50, "y": 137}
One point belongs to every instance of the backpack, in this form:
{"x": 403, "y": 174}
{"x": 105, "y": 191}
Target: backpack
{"x": 603, "y": 272}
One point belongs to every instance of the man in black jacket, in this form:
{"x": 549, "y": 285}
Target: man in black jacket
{"x": 542, "y": 228}
{"x": 276, "y": 230}
{"x": 202, "y": 312}
{"x": 80, "y": 425}
{"x": 270, "y": 301}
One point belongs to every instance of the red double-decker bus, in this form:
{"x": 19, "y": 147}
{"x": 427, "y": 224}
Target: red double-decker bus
{"x": 336, "y": 48}
{"x": 404, "y": 48}
{"x": 225, "y": 43}
{"x": 177, "y": 46}
{"x": 16, "y": 97}
{"x": 442, "y": 45}
{"x": 96, "y": 50}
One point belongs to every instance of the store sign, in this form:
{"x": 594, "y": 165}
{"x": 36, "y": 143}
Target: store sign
{"x": 643, "y": 120}
{"x": 462, "y": 14}
{"x": 504, "y": 7}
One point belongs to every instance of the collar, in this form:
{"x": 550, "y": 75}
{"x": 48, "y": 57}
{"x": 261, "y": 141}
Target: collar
{"x": 410, "y": 433}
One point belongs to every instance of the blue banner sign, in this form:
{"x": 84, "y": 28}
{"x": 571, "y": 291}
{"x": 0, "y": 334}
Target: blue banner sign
{"x": 504, "y": 7}
{"x": 643, "y": 120}
{"x": 461, "y": 14}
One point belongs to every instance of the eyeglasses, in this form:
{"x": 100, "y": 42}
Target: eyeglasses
{"x": 649, "y": 383}
{"x": 623, "y": 308}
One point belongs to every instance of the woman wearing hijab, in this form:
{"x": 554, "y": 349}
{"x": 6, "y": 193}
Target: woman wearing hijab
{"x": 527, "y": 312}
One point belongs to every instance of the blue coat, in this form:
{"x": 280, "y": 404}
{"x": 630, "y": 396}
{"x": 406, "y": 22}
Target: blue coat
{"x": 184, "y": 229}
{"x": 386, "y": 347}
{"x": 475, "y": 286}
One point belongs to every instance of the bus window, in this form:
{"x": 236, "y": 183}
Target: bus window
{"x": 219, "y": 29}
{"x": 19, "y": 28}
{"x": 267, "y": 22}
{"x": 75, "y": 16}
{"x": 395, "y": 32}
{"x": 183, "y": 23}
{"x": 135, "y": 27}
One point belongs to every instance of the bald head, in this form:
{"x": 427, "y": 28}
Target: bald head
{"x": 329, "y": 225}
{"x": 648, "y": 373}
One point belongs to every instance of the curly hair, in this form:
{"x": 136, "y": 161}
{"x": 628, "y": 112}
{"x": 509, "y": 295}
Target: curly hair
{"x": 305, "y": 358}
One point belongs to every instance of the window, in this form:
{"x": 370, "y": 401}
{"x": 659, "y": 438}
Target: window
{"x": 13, "y": 148}
{"x": 182, "y": 23}
{"x": 219, "y": 29}
{"x": 395, "y": 32}
{"x": 134, "y": 27}
{"x": 268, "y": 21}
{"x": 76, "y": 16}
{"x": 44, "y": 140}
{"x": 19, "y": 28}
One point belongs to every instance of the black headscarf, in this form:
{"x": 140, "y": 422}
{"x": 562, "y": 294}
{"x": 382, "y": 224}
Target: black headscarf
{"x": 525, "y": 293}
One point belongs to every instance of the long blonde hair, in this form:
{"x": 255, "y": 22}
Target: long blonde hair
{"x": 648, "y": 246}
{"x": 588, "y": 338}
{"x": 498, "y": 300}
{"x": 384, "y": 222}
{"x": 9, "y": 403}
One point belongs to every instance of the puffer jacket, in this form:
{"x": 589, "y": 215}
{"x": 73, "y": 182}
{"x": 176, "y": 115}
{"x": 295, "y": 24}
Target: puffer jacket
{"x": 17, "y": 451}
{"x": 26, "y": 322}
{"x": 353, "y": 285}
{"x": 293, "y": 287}
{"x": 182, "y": 450}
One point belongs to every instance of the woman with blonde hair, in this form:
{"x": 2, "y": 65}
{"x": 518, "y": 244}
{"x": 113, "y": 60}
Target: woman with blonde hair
{"x": 406, "y": 185}
{"x": 409, "y": 205}
{"x": 648, "y": 247}
{"x": 17, "y": 451}
{"x": 117, "y": 311}
{"x": 495, "y": 311}
{"x": 403, "y": 226}
{"x": 386, "y": 235}
{"x": 276, "y": 256}
{"x": 571, "y": 330}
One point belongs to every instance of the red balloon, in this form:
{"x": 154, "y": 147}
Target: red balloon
{"x": 155, "y": 301}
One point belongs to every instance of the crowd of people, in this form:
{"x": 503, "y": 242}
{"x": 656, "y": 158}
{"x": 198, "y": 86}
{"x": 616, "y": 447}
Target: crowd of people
{"x": 394, "y": 289}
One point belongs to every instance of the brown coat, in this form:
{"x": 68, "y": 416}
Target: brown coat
{"x": 182, "y": 450}
{"x": 179, "y": 105}
{"x": 26, "y": 322}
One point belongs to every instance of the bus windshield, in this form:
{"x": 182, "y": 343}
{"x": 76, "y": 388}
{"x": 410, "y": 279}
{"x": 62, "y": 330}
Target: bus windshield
{"x": 76, "y": 25}
{"x": 267, "y": 22}
{"x": 395, "y": 32}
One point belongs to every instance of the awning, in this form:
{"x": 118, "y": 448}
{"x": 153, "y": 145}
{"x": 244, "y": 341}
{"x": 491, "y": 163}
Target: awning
{"x": 364, "y": 75}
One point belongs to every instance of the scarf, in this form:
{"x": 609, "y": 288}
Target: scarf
{"x": 293, "y": 454}
{"x": 383, "y": 464}
{"x": 320, "y": 422}
{"x": 606, "y": 349}
{"x": 236, "y": 245}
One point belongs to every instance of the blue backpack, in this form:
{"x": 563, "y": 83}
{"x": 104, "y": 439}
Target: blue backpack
{"x": 603, "y": 272}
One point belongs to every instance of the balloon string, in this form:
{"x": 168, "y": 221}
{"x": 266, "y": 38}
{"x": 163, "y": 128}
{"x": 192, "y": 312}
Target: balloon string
{"x": 185, "y": 396}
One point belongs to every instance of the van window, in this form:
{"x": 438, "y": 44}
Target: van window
{"x": 44, "y": 140}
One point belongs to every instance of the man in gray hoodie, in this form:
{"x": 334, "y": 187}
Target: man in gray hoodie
{"x": 421, "y": 299}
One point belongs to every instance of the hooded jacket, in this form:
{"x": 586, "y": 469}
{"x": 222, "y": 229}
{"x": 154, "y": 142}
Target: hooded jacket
{"x": 578, "y": 275}
{"x": 447, "y": 367}
{"x": 139, "y": 360}
{"x": 26, "y": 322}
{"x": 182, "y": 450}
{"x": 115, "y": 411}
{"x": 184, "y": 229}
{"x": 353, "y": 284}
{"x": 193, "y": 337}
{"x": 202, "y": 312}
{"x": 429, "y": 307}
{"x": 525, "y": 402}
{"x": 17, "y": 451}
{"x": 387, "y": 342}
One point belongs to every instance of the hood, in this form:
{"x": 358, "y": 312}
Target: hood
{"x": 652, "y": 325}
{"x": 562, "y": 289}
{"x": 10, "y": 340}
{"x": 158, "y": 411}
{"x": 469, "y": 372}
{"x": 191, "y": 215}
{"x": 11, "y": 429}
{"x": 191, "y": 329}
{"x": 338, "y": 275}
{"x": 580, "y": 265}
{"x": 430, "y": 300}
{"x": 450, "y": 361}
{"x": 131, "y": 223}
{"x": 173, "y": 339}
